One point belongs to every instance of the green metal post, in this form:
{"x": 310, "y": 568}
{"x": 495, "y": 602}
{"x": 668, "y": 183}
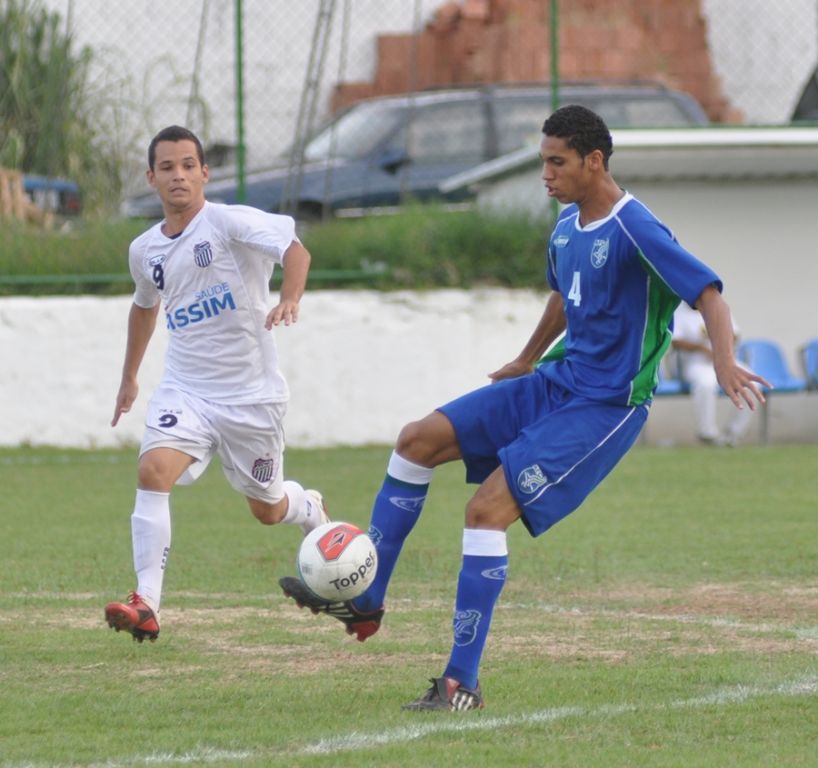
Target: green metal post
{"x": 240, "y": 147}
{"x": 555, "y": 83}
{"x": 555, "y": 56}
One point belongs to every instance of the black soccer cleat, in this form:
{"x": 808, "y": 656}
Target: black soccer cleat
{"x": 358, "y": 623}
{"x": 447, "y": 694}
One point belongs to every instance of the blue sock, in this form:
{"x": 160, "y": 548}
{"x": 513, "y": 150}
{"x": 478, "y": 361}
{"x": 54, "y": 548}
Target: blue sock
{"x": 397, "y": 508}
{"x": 482, "y": 577}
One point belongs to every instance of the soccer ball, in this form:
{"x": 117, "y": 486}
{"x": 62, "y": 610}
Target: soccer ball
{"x": 337, "y": 561}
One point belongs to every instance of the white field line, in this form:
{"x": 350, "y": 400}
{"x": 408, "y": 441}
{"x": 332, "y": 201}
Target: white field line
{"x": 724, "y": 697}
{"x": 201, "y": 756}
{"x": 805, "y": 633}
{"x": 433, "y": 725}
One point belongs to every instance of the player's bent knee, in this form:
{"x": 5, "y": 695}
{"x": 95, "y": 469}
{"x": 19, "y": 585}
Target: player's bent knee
{"x": 160, "y": 468}
{"x": 410, "y": 442}
{"x": 428, "y": 442}
{"x": 483, "y": 512}
{"x": 154, "y": 476}
{"x": 479, "y": 516}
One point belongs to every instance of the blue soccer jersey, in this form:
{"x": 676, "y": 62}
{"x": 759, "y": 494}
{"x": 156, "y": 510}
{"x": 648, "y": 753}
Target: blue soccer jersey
{"x": 621, "y": 278}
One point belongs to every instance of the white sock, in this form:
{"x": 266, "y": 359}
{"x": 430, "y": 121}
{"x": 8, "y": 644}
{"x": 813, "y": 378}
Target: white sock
{"x": 484, "y": 542}
{"x": 299, "y": 510}
{"x": 408, "y": 471}
{"x": 150, "y": 532}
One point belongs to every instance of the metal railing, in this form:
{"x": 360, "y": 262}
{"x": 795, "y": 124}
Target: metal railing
{"x": 115, "y": 278}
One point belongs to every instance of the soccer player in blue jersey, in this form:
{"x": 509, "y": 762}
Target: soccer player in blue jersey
{"x": 538, "y": 440}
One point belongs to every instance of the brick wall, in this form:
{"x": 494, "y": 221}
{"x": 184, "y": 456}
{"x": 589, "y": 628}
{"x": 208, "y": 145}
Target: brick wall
{"x": 478, "y": 41}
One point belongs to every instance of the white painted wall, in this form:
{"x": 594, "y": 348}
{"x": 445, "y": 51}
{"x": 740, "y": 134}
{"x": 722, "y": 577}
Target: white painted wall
{"x": 360, "y": 365}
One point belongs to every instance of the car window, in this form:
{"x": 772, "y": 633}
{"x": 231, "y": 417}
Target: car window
{"x": 519, "y": 123}
{"x": 640, "y": 113}
{"x": 355, "y": 133}
{"x": 519, "y": 120}
{"x": 444, "y": 132}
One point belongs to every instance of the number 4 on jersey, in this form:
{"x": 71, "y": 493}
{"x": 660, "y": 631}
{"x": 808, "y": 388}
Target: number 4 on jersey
{"x": 575, "y": 295}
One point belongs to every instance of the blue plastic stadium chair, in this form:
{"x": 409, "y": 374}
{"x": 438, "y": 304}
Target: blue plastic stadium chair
{"x": 809, "y": 362}
{"x": 765, "y": 358}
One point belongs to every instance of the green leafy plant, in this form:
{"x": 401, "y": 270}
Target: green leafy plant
{"x": 49, "y": 112}
{"x": 422, "y": 246}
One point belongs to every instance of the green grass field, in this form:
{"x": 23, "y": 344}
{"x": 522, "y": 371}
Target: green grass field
{"x": 672, "y": 621}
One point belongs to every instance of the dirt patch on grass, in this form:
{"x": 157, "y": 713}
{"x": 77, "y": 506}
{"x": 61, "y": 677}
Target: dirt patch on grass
{"x": 742, "y": 602}
{"x": 617, "y": 624}
{"x": 611, "y": 625}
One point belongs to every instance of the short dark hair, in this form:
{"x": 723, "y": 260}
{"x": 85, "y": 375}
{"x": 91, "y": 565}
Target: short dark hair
{"x": 174, "y": 133}
{"x": 583, "y": 130}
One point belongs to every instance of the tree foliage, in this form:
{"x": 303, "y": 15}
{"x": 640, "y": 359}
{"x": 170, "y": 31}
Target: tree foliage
{"x": 49, "y": 114}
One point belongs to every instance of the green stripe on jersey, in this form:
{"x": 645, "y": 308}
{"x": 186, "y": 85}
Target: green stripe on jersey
{"x": 662, "y": 302}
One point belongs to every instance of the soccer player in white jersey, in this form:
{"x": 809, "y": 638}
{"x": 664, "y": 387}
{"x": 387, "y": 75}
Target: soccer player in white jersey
{"x": 695, "y": 358}
{"x": 539, "y": 439}
{"x": 208, "y": 267}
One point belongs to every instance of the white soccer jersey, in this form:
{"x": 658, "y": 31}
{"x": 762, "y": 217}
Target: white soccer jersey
{"x": 213, "y": 281}
{"x": 688, "y": 325}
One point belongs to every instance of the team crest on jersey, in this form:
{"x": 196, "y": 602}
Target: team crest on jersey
{"x": 531, "y": 479}
{"x": 465, "y": 626}
{"x": 599, "y": 253}
{"x": 264, "y": 470}
{"x": 202, "y": 254}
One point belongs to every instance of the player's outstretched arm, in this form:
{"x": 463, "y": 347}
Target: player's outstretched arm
{"x": 739, "y": 384}
{"x": 549, "y": 328}
{"x": 141, "y": 324}
{"x": 296, "y": 267}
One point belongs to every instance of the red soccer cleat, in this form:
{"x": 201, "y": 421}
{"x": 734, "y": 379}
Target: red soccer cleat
{"x": 137, "y": 618}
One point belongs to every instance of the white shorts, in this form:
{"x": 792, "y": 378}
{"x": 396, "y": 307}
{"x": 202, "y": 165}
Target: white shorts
{"x": 248, "y": 438}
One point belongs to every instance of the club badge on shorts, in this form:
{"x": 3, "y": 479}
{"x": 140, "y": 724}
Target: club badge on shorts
{"x": 264, "y": 470}
{"x": 531, "y": 479}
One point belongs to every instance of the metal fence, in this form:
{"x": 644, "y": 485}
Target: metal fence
{"x": 176, "y": 62}
{"x": 157, "y": 62}
{"x": 764, "y": 52}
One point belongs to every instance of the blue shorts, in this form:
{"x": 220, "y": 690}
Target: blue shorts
{"x": 554, "y": 446}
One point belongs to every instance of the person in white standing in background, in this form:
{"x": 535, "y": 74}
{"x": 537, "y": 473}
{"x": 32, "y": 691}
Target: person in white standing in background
{"x": 692, "y": 344}
{"x": 209, "y": 266}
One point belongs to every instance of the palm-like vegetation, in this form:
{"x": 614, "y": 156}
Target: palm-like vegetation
{"x": 49, "y": 116}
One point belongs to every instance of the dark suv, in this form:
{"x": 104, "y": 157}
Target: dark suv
{"x": 383, "y": 151}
